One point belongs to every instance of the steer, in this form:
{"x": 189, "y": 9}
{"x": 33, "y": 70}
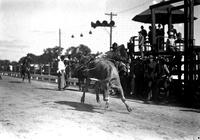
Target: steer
{"x": 108, "y": 77}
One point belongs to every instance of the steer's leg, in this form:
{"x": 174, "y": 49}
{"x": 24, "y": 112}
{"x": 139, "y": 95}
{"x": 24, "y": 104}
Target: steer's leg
{"x": 97, "y": 97}
{"x": 107, "y": 105}
{"x": 105, "y": 91}
{"x": 119, "y": 88}
{"x": 83, "y": 97}
{"x": 124, "y": 100}
{"x": 97, "y": 88}
{"x": 29, "y": 76}
{"x": 84, "y": 88}
{"x": 23, "y": 77}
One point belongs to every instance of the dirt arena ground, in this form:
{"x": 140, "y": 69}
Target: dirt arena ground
{"x": 39, "y": 111}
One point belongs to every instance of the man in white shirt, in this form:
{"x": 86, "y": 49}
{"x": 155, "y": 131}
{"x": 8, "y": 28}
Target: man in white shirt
{"x": 171, "y": 43}
{"x": 61, "y": 73}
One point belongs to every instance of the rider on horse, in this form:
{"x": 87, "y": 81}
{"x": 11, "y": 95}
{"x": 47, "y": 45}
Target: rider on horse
{"x": 25, "y": 68}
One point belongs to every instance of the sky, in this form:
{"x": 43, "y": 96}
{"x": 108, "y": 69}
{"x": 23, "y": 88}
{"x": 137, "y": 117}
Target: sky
{"x": 30, "y": 26}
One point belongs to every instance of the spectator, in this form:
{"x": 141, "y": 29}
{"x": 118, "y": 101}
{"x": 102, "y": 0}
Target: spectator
{"x": 141, "y": 43}
{"x": 162, "y": 79}
{"x": 138, "y": 75}
{"x": 150, "y": 77}
{"x": 170, "y": 45}
{"x": 179, "y": 38}
{"x": 160, "y": 37}
{"x": 150, "y": 39}
{"x": 173, "y": 32}
{"x": 67, "y": 70}
{"x": 61, "y": 73}
{"x": 131, "y": 45}
{"x": 143, "y": 32}
{"x": 179, "y": 42}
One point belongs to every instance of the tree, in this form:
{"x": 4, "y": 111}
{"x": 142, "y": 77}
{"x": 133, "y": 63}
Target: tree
{"x": 78, "y": 52}
{"x": 85, "y": 50}
{"x": 52, "y": 53}
{"x": 4, "y": 65}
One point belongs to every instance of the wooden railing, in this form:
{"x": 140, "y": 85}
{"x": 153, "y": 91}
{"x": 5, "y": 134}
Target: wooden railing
{"x": 45, "y": 78}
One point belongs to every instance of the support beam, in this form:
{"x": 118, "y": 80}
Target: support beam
{"x": 153, "y": 24}
{"x": 186, "y": 43}
{"x": 59, "y": 37}
{"x": 191, "y": 40}
{"x": 170, "y": 19}
{"x": 111, "y": 17}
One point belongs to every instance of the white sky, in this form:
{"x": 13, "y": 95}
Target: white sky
{"x": 30, "y": 26}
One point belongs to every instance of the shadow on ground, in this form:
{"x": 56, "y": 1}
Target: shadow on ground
{"x": 191, "y": 110}
{"x": 18, "y": 82}
{"x": 52, "y": 89}
{"x": 79, "y": 106}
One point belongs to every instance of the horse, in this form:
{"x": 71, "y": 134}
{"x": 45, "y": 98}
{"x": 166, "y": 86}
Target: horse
{"x": 105, "y": 72}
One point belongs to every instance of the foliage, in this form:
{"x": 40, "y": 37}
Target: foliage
{"x": 78, "y": 52}
{"x": 4, "y": 62}
{"x": 50, "y": 54}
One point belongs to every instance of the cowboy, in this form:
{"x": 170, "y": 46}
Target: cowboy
{"x": 25, "y": 68}
{"x": 114, "y": 46}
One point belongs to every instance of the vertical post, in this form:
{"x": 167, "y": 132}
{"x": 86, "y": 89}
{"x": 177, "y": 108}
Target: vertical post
{"x": 110, "y": 31}
{"x": 111, "y": 17}
{"x": 59, "y": 37}
{"x": 40, "y": 69}
{"x": 191, "y": 40}
{"x": 186, "y": 50}
{"x": 189, "y": 44}
{"x": 154, "y": 49}
{"x": 170, "y": 19}
{"x": 34, "y": 69}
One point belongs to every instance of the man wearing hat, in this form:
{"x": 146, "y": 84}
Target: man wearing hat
{"x": 143, "y": 32}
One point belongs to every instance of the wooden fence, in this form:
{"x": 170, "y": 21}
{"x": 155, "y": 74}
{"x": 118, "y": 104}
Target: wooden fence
{"x": 45, "y": 78}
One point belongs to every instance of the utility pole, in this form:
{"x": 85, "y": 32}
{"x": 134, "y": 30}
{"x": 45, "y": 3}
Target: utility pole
{"x": 59, "y": 37}
{"x": 111, "y": 17}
